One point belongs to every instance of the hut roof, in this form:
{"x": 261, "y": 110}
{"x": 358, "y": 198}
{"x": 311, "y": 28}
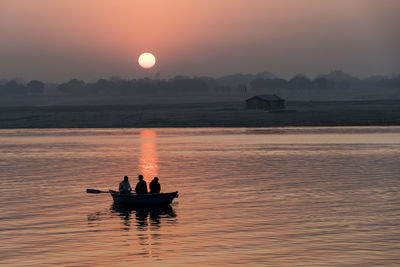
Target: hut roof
{"x": 267, "y": 98}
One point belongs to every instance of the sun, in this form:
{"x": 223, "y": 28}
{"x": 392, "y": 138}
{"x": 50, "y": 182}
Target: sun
{"x": 147, "y": 60}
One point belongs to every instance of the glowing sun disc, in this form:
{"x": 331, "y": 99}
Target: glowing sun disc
{"x": 147, "y": 60}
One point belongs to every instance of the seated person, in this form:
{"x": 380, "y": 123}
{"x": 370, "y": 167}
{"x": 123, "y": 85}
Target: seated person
{"x": 124, "y": 186}
{"x": 155, "y": 186}
{"x": 141, "y": 186}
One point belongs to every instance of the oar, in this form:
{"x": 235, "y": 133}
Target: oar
{"x": 95, "y": 191}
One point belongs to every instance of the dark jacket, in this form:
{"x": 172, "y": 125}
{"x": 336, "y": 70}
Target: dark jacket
{"x": 155, "y": 187}
{"x": 141, "y": 187}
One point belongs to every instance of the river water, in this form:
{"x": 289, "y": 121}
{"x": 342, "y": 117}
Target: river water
{"x": 254, "y": 197}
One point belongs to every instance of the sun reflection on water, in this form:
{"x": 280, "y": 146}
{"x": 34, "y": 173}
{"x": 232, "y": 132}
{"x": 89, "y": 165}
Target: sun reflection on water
{"x": 148, "y": 162}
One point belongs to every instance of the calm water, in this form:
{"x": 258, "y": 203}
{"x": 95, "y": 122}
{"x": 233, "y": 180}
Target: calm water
{"x": 255, "y": 197}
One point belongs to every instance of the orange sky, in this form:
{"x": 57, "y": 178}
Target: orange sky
{"x": 89, "y": 39}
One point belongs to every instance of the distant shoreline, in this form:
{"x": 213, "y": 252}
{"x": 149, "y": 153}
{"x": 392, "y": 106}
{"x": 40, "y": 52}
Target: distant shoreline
{"x": 220, "y": 114}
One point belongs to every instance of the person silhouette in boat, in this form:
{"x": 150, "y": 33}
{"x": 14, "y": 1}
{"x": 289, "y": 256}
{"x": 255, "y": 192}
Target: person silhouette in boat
{"x": 124, "y": 186}
{"x": 155, "y": 186}
{"x": 141, "y": 186}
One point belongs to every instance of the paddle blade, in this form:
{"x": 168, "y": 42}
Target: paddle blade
{"x": 94, "y": 191}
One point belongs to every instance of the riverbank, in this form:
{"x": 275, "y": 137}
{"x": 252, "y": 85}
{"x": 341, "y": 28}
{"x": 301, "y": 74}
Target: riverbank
{"x": 219, "y": 114}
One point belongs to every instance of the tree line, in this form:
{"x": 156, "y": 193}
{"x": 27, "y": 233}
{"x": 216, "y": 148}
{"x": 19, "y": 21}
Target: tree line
{"x": 14, "y": 88}
{"x": 262, "y": 82}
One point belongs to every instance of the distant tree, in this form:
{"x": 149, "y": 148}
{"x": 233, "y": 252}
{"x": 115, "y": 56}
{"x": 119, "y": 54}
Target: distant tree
{"x": 187, "y": 85}
{"x": 344, "y": 84}
{"x": 280, "y": 83}
{"x": 124, "y": 87}
{"x": 393, "y": 82}
{"x": 235, "y": 79}
{"x": 144, "y": 86}
{"x": 265, "y": 75}
{"x": 300, "y": 82}
{"x": 35, "y": 87}
{"x": 260, "y": 84}
{"x": 268, "y": 84}
{"x": 115, "y": 79}
{"x": 323, "y": 83}
{"x": 104, "y": 87}
{"x": 210, "y": 81}
{"x": 341, "y": 80}
{"x": 73, "y": 87}
{"x": 338, "y": 75}
{"x": 180, "y": 77}
{"x": 12, "y": 88}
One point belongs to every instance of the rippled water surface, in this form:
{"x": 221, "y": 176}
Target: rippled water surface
{"x": 254, "y": 197}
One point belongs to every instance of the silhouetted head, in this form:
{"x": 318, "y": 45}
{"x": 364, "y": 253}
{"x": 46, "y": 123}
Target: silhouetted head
{"x": 125, "y": 179}
{"x": 140, "y": 177}
{"x": 155, "y": 179}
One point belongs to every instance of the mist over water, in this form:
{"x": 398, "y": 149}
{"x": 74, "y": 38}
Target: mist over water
{"x": 248, "y": 196}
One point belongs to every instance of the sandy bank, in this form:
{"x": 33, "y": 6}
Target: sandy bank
{"x": 223, "y": 114}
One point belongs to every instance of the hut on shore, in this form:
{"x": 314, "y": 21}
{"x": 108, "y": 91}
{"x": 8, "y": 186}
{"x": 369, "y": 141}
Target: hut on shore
{"x": 266, "y": 102}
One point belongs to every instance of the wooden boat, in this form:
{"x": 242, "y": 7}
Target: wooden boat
{"x": 144, "y": 199}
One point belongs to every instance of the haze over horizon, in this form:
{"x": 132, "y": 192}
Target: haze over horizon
{"x": 88, "y": 39}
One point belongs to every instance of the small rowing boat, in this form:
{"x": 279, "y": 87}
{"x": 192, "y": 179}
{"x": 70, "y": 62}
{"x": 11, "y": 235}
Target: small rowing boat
{"x": 141, "y": 199}
{"x": 144, "y": 199}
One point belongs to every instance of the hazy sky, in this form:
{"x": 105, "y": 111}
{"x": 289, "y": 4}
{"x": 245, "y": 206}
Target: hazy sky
{"x": 55, "y": 40}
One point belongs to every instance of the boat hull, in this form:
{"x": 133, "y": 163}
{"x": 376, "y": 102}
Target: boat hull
{"x": 144, "y": 199}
